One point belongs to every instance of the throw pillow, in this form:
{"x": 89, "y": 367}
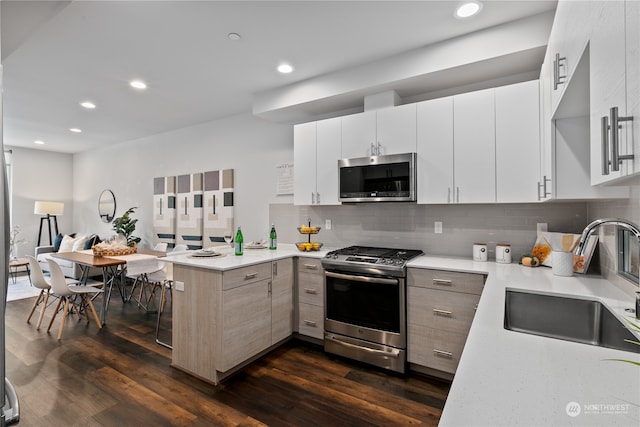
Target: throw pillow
{"x": 56, "y": 242}
{"x": 93, "y": 240}
{"x": 67, "y": 243}
{"x": 79, "y": 242}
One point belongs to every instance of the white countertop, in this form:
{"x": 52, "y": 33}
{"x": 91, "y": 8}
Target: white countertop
{"x": 229, "y": 260}
{"x": 507, "y": 378}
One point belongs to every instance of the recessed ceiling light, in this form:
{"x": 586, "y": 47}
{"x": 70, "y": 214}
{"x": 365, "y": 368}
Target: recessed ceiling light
{"x": 138, "y": 84}
{"x": 468, "y": 9}
{"x": 75, "y": 130}
{"x": 88, "y": 105}
{"x": 285, "y": 68}
{"x": 234, "y": 36}
{"x": 38, "y": 142}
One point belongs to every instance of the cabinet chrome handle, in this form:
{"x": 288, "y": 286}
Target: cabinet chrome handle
{"x": 373, "y": 149}
{"x": 310, "y": 291}
{"x": 318, "y": 198}
{"x": 313, "y": 198}
{"x": 448, "y": 194}
{"x": 443, "y": 282}
{"x": 311, "y": 266}
{"x": 443, "y": 353}
{"x": 545, "y": 180}
{"x": 616, "y": 158}
{"x": 250, "y": 276}
{"x": 457, "y": 194}
{"x": 310, "y": 323}
{"x": 604, "y": 141}
{"x": 275, "y": 269}
{"x": 439, "y": 312}
{"x": 540, "y": 185}
{"x": 557, "y": 78}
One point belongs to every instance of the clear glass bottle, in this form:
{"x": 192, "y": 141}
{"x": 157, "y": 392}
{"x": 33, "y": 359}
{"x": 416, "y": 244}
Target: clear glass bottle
{"x": 273, "y": 237}
{"x": 239, "y": 242}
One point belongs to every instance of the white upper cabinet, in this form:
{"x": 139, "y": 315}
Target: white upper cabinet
{"x": 396, "y": 130}
{"x": 474, "y": 147}
{"x": 568, "y": 38}
{"x": 304, "y": 163}
{"x": 386, "y": 131}
{"x": 327, "y": 156}
{"x": 517, "y": 142}
{"x": 358, "y": 135}
{"x": 614, "y": 90}
{"x": 435, "y": 151}
{"x": 316, "y": 151}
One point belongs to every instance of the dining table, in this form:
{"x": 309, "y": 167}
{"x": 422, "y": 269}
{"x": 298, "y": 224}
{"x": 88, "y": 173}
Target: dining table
{"x": 113, "y": 270}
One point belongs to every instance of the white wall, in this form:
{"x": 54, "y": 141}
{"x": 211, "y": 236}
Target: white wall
{"x": 251, "y": 146}
{"x": 40, "y": 175}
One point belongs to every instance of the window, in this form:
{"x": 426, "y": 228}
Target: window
{"x": 628, "y": 255}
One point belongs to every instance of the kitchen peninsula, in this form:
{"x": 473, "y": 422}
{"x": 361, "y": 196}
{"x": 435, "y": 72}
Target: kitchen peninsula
{"x": 229, "y": 310}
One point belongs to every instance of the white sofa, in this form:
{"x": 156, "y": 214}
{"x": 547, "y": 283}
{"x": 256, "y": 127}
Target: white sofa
{"x": 70, "y": 269}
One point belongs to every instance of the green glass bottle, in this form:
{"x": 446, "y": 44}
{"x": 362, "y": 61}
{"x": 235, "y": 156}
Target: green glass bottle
{"x": 273, "y": 238}
{"x": 239, "y": 242}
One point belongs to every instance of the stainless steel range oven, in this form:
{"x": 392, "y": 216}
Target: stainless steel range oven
{"x": 365, "y": 305}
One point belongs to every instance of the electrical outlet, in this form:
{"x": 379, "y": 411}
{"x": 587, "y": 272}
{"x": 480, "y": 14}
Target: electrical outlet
{"x": 541, "y": 226}
{"x": 327, "y": 224}
{"x": 437, "y": 227}
{"x": 179, "y": 286}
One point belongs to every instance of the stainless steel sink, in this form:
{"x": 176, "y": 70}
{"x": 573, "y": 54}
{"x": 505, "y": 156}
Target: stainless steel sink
{"x": 569, "y": 319}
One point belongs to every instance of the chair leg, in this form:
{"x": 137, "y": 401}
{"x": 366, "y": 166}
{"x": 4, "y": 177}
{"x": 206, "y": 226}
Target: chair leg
{"x": 44, "y": 307}
{"x": 93, "y": 310}
{"x": 35, "y": 304}
{"x": 64, "y": 317}
{"x": 55, "y": 312}
{"x": 163, "y": 300}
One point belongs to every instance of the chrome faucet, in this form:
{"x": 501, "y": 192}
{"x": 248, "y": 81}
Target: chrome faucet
{"x": 591, "y": 228}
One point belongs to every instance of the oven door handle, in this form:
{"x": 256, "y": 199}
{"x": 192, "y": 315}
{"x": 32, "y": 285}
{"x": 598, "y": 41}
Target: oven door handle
{"x": 392, "y": 353}
{"x": 367, "y": 279}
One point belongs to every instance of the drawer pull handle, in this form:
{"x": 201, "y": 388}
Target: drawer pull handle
{"x": 250, "y": 276}
{"x": 444, "y": 282}
{"x": 442, "y": 353}
{"x": 310, "y": 323}
{"x": 310, "y": 291}
{"x": 442, "y": 312}
{"x": 311, "y": 266}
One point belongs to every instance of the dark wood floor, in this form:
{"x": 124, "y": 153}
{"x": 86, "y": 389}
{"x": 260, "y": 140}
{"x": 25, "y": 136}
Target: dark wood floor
{"x": 119, "y": 376}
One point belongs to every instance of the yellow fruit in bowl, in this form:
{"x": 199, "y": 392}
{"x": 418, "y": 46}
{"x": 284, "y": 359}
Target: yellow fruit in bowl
{"x": 316, "y": 245}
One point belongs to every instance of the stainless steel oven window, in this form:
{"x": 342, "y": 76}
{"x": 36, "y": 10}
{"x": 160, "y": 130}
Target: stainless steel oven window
{"x": 628, "y": 255}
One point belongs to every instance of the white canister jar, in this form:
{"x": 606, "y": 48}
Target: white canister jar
{"x": 562, "y": 263}
{"x": 479, "y": 251}
{"x": 503, "y": 253}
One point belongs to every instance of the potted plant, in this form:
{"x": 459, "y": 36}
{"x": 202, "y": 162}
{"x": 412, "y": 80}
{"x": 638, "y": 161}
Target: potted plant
{"x": 126, "y": 225}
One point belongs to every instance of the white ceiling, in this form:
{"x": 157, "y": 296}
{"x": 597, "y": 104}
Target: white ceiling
{"x": 57, "y": 54}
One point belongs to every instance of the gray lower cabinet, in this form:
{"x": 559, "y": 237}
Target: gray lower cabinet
{"x": 223, "y": 319}
{"x": 310, "y": 297}
{"x": 440, "y": 309}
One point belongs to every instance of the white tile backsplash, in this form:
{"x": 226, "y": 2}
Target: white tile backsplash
{"x": 408, "y": 225}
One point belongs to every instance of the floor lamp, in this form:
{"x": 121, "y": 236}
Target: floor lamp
{"x": 49, "y": 210}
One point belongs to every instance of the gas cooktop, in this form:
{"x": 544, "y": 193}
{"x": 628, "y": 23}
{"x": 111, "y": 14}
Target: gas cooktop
{"x": 370, "y": 260}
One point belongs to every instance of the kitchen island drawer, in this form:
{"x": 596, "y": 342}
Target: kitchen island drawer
{"x": 310, "y": 265}
{"x": 311, "y": 320}
{"x": 448, "y": 311}
{"x": 245, "y": 275}
{"x": 311, "y": 289}
{"x": 454, "y": 281}
{"x": 436, "y": 349}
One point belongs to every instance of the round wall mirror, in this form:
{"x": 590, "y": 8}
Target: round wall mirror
{"x": 107, "y": 206}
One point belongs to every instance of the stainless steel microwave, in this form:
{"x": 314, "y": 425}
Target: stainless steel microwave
{"x": 390, "y": 178}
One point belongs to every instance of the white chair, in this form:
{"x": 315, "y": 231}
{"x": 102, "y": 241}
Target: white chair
{"x": 162, "y": 247}
{"x": 38, "y": 280}
{"x": 179, "y": 248}
{"x": 66, "y": 293}
{"x": 146, "y": 273}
